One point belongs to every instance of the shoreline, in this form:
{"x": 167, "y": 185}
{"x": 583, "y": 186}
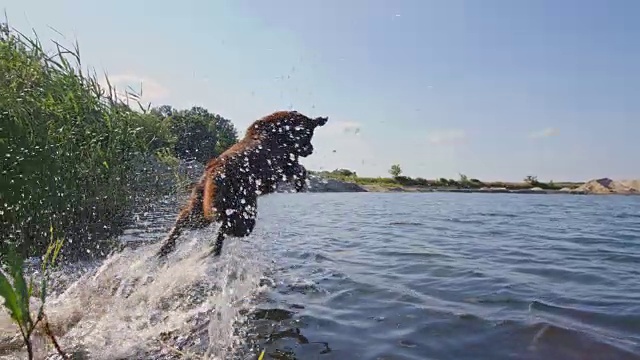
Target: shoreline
{"x": 327, "y": 184}
{"x": 418, "y": 189}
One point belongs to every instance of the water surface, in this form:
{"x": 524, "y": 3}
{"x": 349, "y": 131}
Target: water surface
{"x": 373, "y": 276}
{"x": 457, "y": 276}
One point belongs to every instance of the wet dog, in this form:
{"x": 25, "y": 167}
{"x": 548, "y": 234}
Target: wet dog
{"x": 228, "y": 190}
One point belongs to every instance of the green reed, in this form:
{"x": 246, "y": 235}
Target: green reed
{"x": 71, "y": 149}
{"x": 16, "y": 292}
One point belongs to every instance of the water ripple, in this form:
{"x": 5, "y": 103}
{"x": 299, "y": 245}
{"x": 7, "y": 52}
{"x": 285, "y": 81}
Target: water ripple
{"x": 458, "y": 276}
{"x": 378, "y": 276}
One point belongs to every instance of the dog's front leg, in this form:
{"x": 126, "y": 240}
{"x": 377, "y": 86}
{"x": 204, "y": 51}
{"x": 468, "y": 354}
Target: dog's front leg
{"x": 297, "y": 175}
{"x": 217, "y": 247}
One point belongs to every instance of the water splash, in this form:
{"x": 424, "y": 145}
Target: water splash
{"x": 131, "y": 305}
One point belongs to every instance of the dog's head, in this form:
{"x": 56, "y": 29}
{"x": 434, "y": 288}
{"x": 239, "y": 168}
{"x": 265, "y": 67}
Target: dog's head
{"x": 290, "y": 130}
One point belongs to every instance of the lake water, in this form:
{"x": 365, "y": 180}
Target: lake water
{"x": 376, "y": 276}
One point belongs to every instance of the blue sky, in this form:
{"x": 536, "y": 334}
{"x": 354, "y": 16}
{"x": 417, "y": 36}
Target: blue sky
{"x": 496, "y": 90}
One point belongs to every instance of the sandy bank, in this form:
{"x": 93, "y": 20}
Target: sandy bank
{"x": 608, "y": 186}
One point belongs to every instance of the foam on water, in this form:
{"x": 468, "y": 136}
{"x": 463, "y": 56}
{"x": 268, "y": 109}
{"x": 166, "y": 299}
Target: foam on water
{"x": 133, "y": 306}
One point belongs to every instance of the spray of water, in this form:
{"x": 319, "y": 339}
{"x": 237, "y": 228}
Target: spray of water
{"x": 133, "y": 306}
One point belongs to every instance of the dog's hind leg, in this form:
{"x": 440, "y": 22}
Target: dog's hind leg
{"x": 192, "y": 216}
{"x": 169, "y": 243}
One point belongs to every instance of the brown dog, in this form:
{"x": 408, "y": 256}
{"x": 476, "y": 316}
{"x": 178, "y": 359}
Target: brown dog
{"x": 231, "y": 183}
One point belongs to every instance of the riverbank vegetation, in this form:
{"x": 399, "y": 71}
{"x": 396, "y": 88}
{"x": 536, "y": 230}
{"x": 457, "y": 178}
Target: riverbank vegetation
{"x": 462, "y": 182}
{"x": 78, "y": 156}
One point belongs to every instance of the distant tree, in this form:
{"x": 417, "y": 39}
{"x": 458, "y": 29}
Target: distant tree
{"x": 530, "y": 179}
{"x": 463, "y": 178}
{"x": 199, "y": 135}
{"x": 344, "y": 173}
{"x": 227, "y": 134}
{"x": 395, "y": 170}
{"x": 421, "y": 181}
{"x": 163, "y": 111}
{"x": 195, "y": 139}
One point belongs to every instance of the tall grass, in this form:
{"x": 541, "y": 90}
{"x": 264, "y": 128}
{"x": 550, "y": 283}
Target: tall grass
{"x": 16, "y": 293}
{"x": 71, "y": 149}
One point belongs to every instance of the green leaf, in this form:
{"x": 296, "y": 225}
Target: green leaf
{"x": 21, "y": 289}
{"x": 10, "y": 299}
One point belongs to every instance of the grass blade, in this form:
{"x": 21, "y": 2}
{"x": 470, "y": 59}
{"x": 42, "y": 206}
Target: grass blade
{"x": 10, "y": 299}
{"x": 20, "y": 287}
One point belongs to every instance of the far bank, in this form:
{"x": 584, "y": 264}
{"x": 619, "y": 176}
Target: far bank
{"x": 336, "y": 181}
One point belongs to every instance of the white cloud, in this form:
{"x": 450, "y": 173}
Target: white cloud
{"x": 445, "y": 137}
{"x": 149, "y": 89}
{"x": 544, "y": 133}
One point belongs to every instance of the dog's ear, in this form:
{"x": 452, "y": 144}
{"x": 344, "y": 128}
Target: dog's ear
{"x": 320, "y": 121}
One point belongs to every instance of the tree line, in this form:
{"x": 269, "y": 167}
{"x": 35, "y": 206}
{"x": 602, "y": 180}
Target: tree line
{"x": 463, "y": 180}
